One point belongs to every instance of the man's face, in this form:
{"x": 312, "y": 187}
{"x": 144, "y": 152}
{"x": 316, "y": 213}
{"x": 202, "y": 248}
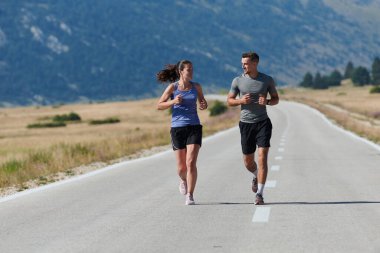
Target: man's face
{"x": 248, "y": 66}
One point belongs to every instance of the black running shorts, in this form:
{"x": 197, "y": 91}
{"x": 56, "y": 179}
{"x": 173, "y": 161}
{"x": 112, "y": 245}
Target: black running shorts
{"x": 182, "y": 136}
{"x": 255, "y": 134}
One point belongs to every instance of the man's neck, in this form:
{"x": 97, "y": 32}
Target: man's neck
{"x": 252, "y": 75}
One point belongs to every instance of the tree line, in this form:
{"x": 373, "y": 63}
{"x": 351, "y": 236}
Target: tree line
{"x": 359, "y": 75}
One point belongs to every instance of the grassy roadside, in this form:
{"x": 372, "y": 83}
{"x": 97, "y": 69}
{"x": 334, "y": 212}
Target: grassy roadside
{"x": 353, "y": 108}
{"x": 44, "y": 155}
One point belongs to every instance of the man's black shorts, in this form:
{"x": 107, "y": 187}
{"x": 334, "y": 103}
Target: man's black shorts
{"x": 255, "y": 134}
{"x": 182, "y": 136}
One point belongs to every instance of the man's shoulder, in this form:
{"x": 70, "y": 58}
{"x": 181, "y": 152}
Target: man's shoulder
{"x": 265, "y": 76}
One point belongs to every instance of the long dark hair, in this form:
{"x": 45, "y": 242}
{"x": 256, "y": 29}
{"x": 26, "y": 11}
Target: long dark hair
{"x": 171, "y": 71}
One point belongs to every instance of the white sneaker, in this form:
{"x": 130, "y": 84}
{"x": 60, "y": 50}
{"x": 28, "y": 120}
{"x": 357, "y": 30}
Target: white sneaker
{"x": 189, "y": 200}
{"x": 183, "y": 187}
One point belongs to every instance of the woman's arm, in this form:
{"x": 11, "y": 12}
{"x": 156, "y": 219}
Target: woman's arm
{"x": 201, "y": 99}
{"x": 163, "y": 102}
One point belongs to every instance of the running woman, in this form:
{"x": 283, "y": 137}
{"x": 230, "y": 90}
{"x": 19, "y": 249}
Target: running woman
{"x": 182, "y": 95}
{"x": 255, "y": 126}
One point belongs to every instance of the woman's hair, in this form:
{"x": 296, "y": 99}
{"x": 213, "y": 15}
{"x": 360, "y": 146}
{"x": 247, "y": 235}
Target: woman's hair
{"x": 171, "y": 71}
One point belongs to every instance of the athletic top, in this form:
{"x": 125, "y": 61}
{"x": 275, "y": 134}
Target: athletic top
{"x": 185, "y": 113}
{"x": 262, "y": 84}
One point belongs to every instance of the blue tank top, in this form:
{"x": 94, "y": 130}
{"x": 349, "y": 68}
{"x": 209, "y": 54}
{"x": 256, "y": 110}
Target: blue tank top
{"x": 185, "y": 114}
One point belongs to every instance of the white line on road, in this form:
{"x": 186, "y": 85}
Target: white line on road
{"x": 278, "y": 158}
{"x": 270, "y": 184}
{"x": 275, "y": 168}
{"x": 281, "y": 149}
{"x": 261, "y": 214}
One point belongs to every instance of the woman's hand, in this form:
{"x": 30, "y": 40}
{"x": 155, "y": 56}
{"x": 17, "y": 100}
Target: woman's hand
{"x": 177, "y": 100}
{"x": 203, "y": 104}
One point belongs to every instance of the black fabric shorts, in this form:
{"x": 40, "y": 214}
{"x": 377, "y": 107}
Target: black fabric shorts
{"x": 255, "y": 134}
{"x": 182, "y": 136}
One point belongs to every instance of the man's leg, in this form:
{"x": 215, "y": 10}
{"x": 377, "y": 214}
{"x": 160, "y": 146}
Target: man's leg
{"x": 263, "y": 168}
{"x": 250, "y": 164}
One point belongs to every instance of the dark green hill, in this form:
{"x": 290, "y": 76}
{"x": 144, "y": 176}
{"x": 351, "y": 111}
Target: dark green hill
{"x": 65, "y": 51}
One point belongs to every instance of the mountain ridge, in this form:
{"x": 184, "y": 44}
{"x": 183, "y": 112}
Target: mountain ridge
{"x": 55, "y": 51}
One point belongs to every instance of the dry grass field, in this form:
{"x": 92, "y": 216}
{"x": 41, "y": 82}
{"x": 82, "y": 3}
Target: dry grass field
{"x": 43, "y": 155}
{"x": 38, "y": 153}
{"x": 354, "y": 108}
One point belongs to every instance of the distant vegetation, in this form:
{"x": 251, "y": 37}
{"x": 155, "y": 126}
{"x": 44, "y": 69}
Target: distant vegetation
{"x": 104, "y": 121}
{"x": 375, "y": 89}
{"x": 67, "y": 117}
{"x": 217, "y": 108}
{"x": 360, "y": 76}
{"x": 47, "y": 124}
{"x": 57, "y": 121}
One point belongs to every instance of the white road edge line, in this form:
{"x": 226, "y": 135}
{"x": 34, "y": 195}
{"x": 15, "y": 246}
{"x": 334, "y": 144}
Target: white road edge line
{"x": 261, "y": 214}
{"x": 339, "y": 128}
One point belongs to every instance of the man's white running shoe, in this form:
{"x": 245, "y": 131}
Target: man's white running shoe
{"x": 189, "y": 200}
{"x": 183, "y": 187}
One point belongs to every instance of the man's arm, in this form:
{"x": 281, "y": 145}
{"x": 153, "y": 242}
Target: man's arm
{"x": 274, "y": 99}
{"x": 233, "y": 101}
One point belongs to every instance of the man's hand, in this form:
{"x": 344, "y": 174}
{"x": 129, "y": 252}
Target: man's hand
{"x": 246, "y": 99}
{"x": 262, "y": 100}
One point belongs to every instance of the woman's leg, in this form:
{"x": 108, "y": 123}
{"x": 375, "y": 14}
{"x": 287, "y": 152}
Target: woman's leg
{"x": 180, "y": 156}
{"x": 191, "y": 164}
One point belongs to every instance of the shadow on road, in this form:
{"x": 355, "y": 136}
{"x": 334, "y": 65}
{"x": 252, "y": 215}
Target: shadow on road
{"x": 323, "y": 203}
{"x": 291, "y": 203}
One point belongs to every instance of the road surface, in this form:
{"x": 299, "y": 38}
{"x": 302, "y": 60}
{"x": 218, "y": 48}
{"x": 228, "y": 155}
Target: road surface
{"x": 322, "y": 195}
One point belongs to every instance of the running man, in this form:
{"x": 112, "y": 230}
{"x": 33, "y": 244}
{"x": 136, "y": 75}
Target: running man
{"x": 255, "y": 126}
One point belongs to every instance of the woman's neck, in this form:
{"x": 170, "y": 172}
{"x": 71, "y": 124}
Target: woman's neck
{"x": 184, "y": 84}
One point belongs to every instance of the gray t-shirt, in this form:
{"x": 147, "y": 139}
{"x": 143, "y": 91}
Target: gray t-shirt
{"x": 262, "y": 84}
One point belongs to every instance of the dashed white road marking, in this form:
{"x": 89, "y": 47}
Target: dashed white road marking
{"x": 270, "y": 184}
{"x": 281, "y": 149}
{"x": 282, "y": 144}
{"x": 275, "y": 168}
{"x": 278, "y": 158}
{"x": 261, "y": 214}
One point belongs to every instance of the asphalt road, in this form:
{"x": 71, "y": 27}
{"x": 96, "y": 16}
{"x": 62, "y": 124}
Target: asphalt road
{"x": 322, "y": 195}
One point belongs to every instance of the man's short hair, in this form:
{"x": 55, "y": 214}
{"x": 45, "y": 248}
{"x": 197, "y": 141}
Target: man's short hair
{"x": 251, "y": 55}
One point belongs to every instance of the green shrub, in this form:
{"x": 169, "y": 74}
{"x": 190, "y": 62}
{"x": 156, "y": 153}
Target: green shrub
{"x": 375, "y": 89}
{"x": 66, "y": 117}
{"x": 11, "y": 166}
{"x": 217, "y": 108}
{"x": 47, "y": 124}
{"x": 104, "y": 121}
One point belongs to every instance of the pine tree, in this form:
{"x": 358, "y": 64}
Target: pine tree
{"x": 349, "y": 70}
{"x": 360, "y": 76}
{"x": 335, "y": 78}
{"x": 307, "y": 80}
{"x": 376, "y": 71}
{"x": 318, "y": 82}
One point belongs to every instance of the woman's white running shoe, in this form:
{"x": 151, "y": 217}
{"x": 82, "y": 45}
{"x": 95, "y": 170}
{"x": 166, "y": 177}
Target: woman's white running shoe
{"x": 189, "y": 200}
{"x": 183, "y": 187}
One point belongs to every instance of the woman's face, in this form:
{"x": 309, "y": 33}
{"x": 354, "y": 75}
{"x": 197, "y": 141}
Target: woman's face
{"x": 187, "y": 72}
